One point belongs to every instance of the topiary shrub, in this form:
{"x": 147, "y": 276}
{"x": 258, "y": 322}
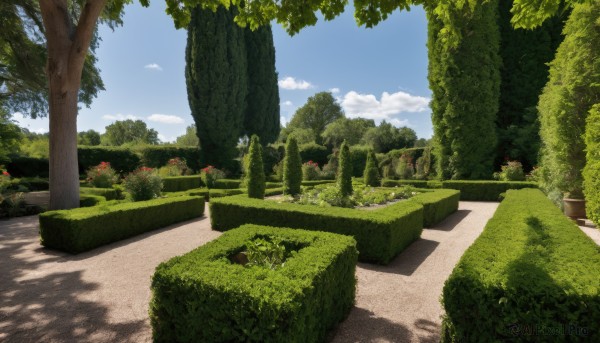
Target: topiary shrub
{"x": 255, "y": 170}
{"x": 591, "y": 172}
{"x": 292, "y": 168}
{"x": 358, "y": 156}
{"x": 371, "y": 171}
{"x": 344, "y": 176}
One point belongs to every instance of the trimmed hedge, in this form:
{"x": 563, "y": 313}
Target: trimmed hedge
{"x": 314, "y": 152}
{"x": 21, "y": 166}
{"x": 400, "y": 183}
{"x": 83, "y": 229}
{"x": 203, "y": 297}
{"x": 158, "y": 156}
{"x": 437, "y": 205}
{"x": 107, "y": 193}
{"x": 181, "y": 183}
{"x": 123, "y": 160}
{"x": 531, "y": 269}
{"x": 89, "y": 200}
{"x": 227, "y": 184}
{"x": 381, "y": 234}
{"x": 317, "y": 182}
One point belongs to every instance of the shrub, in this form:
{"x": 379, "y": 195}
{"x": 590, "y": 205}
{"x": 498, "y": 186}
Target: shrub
{"x": 210, "y": 175}
{"x": 83, "y": 229}
{"x": 530, "y": 268}
{"x": 405, "y": 168}
{"x": 181, "y": 183}
{"x": 381, "y": 234}
{"x": 512, "y": 171}
{"x": 399, "y": 183}
{"x": 227, "y": 184}
{"x": 122, "y": 160}
{"x": 4, "y": 179}
{"x": 106, "y": 193}
{"x": 175, "y": 167}
{"x": 314, "y": 152}
{"x": 371, "y": 172}
{"x": 21, "y": 166}
{"x": 143, "y": 184}
{"x": 485, "y": 190}
{"x": 102, "y": 175}
{"x": 89, "y": 200}
{"x": 299, "y": 302}
{"x": 344, "y": 176}
{"x": 591, "y": 173}
{"x": 310, "y": 171}
{"x": 358, "y": 156}
{"x": 328, "y": 171}
{"x": 292, "y": 168}
{"x": 278, "y": 171}
{"x": 158, "y": 156}
{"x": 255, "y": 170}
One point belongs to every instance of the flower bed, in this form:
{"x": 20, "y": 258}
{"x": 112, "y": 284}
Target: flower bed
{"x": 204, "y": 296}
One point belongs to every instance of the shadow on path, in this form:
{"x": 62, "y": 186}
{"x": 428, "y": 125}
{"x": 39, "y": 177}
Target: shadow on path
{"x": 451, "y": 222}
{"x": 407, "y": 262}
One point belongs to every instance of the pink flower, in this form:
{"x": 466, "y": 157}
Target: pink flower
{"x": 5, "y": 173}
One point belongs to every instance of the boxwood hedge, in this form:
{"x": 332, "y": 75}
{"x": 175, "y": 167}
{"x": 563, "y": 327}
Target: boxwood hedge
{"x": 531, "y": 272}
{"x": 204, "y": 297}
{"x": 437, "y": 205}
{"x": 181, "y": 183}
{"x": 107, "y": 193}
{"x": 82, "y": 229}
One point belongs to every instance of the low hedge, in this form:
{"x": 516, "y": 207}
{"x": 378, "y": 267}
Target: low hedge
{"x": 22, "y": 166}
{"x": 89, "y": 200}
{"x": 107, "y": 193}
{"x": 437, "y": 205}
{"x": 400, "y": 183}
{"x": 227, "y": 184}
{"x": 381, "y": 234}
{"x": 158, "y": 155}
{"x": 203, "y": 296}
{"x": 531, "y": 273}
{"x": 123, "y": 160}
{"x": 181, "y": 183}
{"x": 82, "y": 229}
{"x": 317, "y": 182}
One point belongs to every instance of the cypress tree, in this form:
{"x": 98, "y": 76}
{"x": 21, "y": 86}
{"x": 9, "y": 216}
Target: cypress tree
{"x": 255, "y": 170}
{"x": 591, "y": 172}
{"x": 465, "y": 80}
{"x": 344, "y": 174}
{"x": 216, "y": 79}
{"x": 262, "y": 112}
{"x": 525, "y": 56}
{"x": 371, "y": 173}
{"x": 292, "y": 168}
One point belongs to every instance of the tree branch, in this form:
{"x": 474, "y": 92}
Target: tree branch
{"x": 83, "y": 36}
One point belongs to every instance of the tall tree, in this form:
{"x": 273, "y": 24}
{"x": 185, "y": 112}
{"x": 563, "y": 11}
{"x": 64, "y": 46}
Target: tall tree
{"x": 129, "y": 131}
{"x": 573, "y": 88}
{"x": 216, "y": 78}
{"x": 465, "y": 80}
{"x": 89, "y": 137}
{"x": 262, "y": 112}
{"x": 189, "y": 138}
{"x": 319, "y": 111}
{"x": 386, "y": 137}
{"x": 525, "y": 56}
{"x": 346, "y": 129}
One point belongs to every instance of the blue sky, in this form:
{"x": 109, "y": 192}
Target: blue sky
{"x": 378, "y": 73}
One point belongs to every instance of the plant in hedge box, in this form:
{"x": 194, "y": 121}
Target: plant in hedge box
{"x": 143, "y": 184}
{"x": 4, "y": 179}
{"x": 371, "y": 173}
{"x": 310, "y": 171}
{"x": 344, "y": 175}
{"x": 263, "y": 252}
{"x": 210, "y": 175}
{"x": 102, "y": 175}
{"x": 175, "y": 167}
{"x": 255, "y": 172}
{"x": 292, "y": 168}
{"x": 512, "y": 171}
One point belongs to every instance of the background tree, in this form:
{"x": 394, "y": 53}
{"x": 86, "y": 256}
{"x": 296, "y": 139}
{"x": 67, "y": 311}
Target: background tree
{"x": 217, "y": 83}
{"x": 591, "y": 172}
{"x": 573, "y": 88}
{"x": 371, "y": 173}
{"x": 292, "y": 168}
{"x": 255, "y": 170}
{"x": 262, "y": 112}
{"x": 524, "y": 72}
{"x": 11, "y": 136}
{"x": 320, "y": 110}
{"x": 345, "y": 129}
{"x": 129, "y": 131}
{"x": 386, "y": 137}
{"x": 344, "y": 173}
{"x": 303, "y": 136}
{"x": 89, "y": 137}
{"x": 465, "y": 80}
{"x": 189, "y": 138}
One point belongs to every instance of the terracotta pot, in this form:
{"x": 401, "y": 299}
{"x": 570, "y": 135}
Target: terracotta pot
{"x": 574, "y": 208}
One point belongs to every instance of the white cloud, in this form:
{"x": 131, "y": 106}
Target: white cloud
{"x": 283, "y": 120}
{"x": 368, "y": 106}
{"x": 166, "y": 119}
{"x": 334, "y": 90}
{"x": 291, "y": 83}
{"x": 166, "y": 139}
{"x": 287, "y": 103}
{"x": 119, "y": 116}
{"x": 153, "y": 66}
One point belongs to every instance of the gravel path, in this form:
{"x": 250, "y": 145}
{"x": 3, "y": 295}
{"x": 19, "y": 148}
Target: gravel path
{"x": 591, "y": 230}
{"x": 103, "y": 295}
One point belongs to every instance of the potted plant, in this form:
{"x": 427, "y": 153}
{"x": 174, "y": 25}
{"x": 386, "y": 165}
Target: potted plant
{"x": 574, "y": 201}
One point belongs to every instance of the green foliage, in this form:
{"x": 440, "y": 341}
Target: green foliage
{"x": 89, "y": 137}
{"x": 106, "y": 193}
{"x": 21, "y": 166}
{"x": 310, "y": 171}
{"x": 465, "y": 80}
{"x": 102, "y": 175}
{"x": 485, "y": 190}
{"x": 143, "y": 184}
{"x": 11, "y": 136}
{"x": 358, "y": 156}
{"x": 129, "y": 131}
{"x": 227, "y": 184}
{"x": 319, "y": 111}
{"x": 298, "y": 302}
{"x": 175, "y": 167}
{"x": 123, "y": 160}
{"x": 525, "y": 56}
{"x": 381, "y": 233}
{"x": 89, "y": 200}
{"x": 158, "y": 156}
{"x": 437, "y": 205}
{"x": 303, "y": 136}
{"x": 255, "y": 170}
{"x": 512, "y": 171}
{"x": 35, "y": 145}
{"x": 181, "y": 183}
{"x": 217, "y": 82}
{"x": 386, "y": 137}
{"x": 262, "y": 112}
{"x": 84, "y": 229}
{"x": 270, "y": 253}
{"x": 346, "y": 129}
{"x": 405, "y": 169}
{"x": 344, "y": 175}
{"x": 314, "y": 152}
{"x": 566, "y": 101}
{"x": 530, "y": 268}
{"x": 371, "y": 173}
{"x": 211, "y": 176}
{"x": 292, "y": 168}
{"x": 189, "y": 138}
{"x": 591, "y": 172}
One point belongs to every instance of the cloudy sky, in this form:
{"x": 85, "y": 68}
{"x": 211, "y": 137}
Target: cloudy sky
{"x": 378, "y": 73}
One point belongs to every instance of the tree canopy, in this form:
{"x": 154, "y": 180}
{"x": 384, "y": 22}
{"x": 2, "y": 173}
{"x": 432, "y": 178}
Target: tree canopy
{"x": 386, "y": 137}
{"x": 319, "y": 111}
{"x": 346, "y": 129}
{"x": 129, "y": 131}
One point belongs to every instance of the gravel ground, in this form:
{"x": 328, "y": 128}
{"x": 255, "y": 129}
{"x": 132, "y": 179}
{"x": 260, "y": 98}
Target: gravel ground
{"x": 103, "y": 295}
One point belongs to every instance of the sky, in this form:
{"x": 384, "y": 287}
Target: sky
{"x": 378, "y": 73}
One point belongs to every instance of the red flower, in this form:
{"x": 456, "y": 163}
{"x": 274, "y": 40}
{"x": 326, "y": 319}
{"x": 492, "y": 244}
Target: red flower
{"x": 5, "y": 173}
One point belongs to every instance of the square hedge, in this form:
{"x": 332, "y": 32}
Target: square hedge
{"x": 203, "y": 296}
